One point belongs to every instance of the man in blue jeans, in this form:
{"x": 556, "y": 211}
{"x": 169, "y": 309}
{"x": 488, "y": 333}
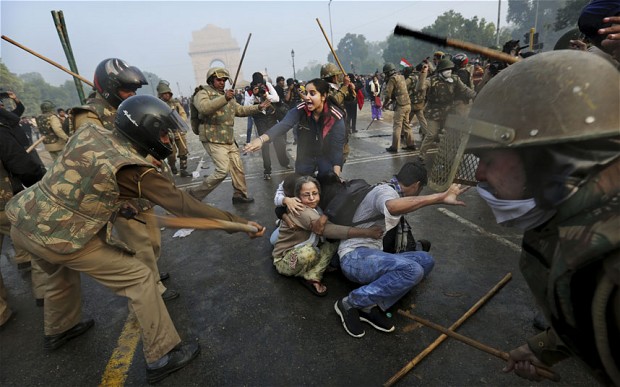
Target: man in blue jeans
{"x": 386, "y": 277}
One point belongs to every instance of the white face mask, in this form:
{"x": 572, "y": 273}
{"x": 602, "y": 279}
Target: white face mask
{"x": 446, "y": 73}
{"x": 521, "y": 214}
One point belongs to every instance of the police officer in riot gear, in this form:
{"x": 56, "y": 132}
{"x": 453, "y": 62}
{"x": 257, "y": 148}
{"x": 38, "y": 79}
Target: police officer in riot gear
{"x": 548, "y": 139}
{"x": 442, "y": 89}
{"x": 177, "y": 139}
{"x": 50, "y": 126}
{"x": 396, "y": 91}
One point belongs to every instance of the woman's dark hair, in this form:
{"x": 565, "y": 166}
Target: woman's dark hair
{"x": 321, "y": 86}
{"x": 306, "y": 179}
{"x": 288, "y": 185}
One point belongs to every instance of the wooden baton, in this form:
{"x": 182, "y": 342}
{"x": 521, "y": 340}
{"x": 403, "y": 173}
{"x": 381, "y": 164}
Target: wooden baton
{"x": 454, "y": 326}
{"x": 34, "y": 144}
{"x": 201, "y": 223}
{"x": 66, "y": 70}
{"x": 541, "y": 371}
{"x": 331, "y": 47}
{"x": 471, "y": 47}
{"x": 241, "y": 60}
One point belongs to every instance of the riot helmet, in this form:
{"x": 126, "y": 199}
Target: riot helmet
{"x": 144, "y": 120}
{"x": 163, "y": 87}
{"x": 113, "y": 74}
{"x": 460, "y": 60}
{"x": 444, "y": 64}
{"x": 328, "y": 70}
{"x": 389, "y": 69}
{"x": 47, "y": 106}
{"x": 217, "y": 72}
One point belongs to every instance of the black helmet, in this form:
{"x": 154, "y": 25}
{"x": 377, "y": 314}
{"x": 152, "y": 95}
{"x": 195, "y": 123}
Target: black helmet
{"x": 143, "y": 119}
{"x": 113, "y": 74}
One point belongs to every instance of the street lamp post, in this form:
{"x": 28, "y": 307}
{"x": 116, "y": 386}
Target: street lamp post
{"x": 329, "y": 9}
{"x": 293, "y": 57}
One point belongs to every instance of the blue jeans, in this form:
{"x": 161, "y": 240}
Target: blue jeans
{"x": 385, "y": 277}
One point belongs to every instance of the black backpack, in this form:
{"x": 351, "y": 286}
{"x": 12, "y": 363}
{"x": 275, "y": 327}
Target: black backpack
{"x": 339, "y": 200}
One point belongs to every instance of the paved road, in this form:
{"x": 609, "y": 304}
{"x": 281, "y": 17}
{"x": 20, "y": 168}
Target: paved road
{"x": 258, "y": 328}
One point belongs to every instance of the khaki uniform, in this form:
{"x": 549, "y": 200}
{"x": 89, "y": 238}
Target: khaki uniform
{"x": 178, "y": 139}
{"x": 396, "y": 90}
{"x": 417, "y": 95}
{"x": 67, "y": 234}
{"x": 144, "y": 239}
{"x": 441, "y": 96}
{"x": 217, "y": 134}
{"x": 339, "y": 95}
{"x": 55, "y": 137}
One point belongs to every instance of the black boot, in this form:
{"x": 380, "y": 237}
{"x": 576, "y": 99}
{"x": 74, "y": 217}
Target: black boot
{"x": 177, "y": 358}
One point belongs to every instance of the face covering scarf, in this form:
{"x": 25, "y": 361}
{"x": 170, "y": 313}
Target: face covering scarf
{"x": 447, "y": 75}
{"x": 520, "y": 214}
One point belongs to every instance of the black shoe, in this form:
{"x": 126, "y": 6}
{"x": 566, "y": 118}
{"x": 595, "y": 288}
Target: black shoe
{"x": 56, "y": 341}
{"x": 170, "y": 294}
{"x": 179, "y": 358}
{"x": 241, "y": 199}
{"x": 377, "y": 319}
{"x": 39, "y": 301}
{"x": 267, "y": 176}
{"x": 174, "y": 170}
{"x": 391, "y": 150}
{"x": 184, "y": 173}
{"x": 350, "y": 319}
{"x": 163, "y": 275}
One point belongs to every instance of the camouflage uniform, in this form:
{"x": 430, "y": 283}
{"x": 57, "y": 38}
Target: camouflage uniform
{"x": 440, "y": 95}
{"x": 217, "y": 134}
{"x": 178, "y": 140}
{"x": 144, "y": 239}
{"x": 582, "y": 238}
{"x": 55, "y": 137}
{"x": 396, "y": 90}
{"x": 417, "y": 95}
{"x": 65, "y": 221}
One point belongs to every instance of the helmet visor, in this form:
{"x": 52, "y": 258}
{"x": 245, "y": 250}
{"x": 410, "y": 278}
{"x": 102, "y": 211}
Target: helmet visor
{"x": 178, "y": 123}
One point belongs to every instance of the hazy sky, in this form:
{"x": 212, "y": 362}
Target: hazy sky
{"x": 155, "y": 35}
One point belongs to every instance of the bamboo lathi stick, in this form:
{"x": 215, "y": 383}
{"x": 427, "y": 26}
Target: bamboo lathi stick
{"x": 453, "y": 327}
{"x": 542, "y": 371}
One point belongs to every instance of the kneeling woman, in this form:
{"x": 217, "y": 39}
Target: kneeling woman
{"x": 302, "y": 253}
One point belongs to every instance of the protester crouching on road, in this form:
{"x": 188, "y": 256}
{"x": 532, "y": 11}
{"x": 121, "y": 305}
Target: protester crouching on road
{"x": 302, "y": 253}
{"x": 386, "y": 277}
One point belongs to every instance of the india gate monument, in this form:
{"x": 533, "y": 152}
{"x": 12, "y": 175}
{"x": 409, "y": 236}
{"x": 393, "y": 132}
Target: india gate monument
{"x": 213, "y": 46}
